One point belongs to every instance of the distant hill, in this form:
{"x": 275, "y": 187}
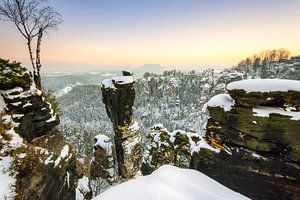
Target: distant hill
{"x": 151, "y": 68}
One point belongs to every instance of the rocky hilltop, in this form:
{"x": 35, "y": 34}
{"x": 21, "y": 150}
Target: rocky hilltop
{"x": 256, "y": 126}
{"x": 35, "y": 160}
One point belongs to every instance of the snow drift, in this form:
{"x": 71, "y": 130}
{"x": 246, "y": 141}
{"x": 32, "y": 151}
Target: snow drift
{"x": 171, "y": 183}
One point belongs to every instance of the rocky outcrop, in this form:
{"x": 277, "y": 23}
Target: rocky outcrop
{"x": 46, "y": 169}
{"x": 118, "y": 96}
{"x": 258, "y": 177}
{"x": 171, "y": 148}
{"x": 251, "y": 93}
{"x": 43, "y": 165}
{"x": 257, "y": 126}
{"x": 34, "y": 115}
{"x": 102, "y": 170}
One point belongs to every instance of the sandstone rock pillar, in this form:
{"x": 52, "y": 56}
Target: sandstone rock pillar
{"x": 118, "y": 96}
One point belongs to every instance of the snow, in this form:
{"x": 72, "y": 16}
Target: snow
{"x": 63, "y": 154}
{"x": 134, "y": 127}
{"x": 195, "y": 145}
{"x": 63, "y": 91}
{"x": 18, "y": 92}
{"x": 7, "y": 181}
{"x": 27, "y": 105}
{"x": 104, "y": 142}
{"x": 2, "y": 104}
{"x": 16, "y": 141}
{"x": 17, "y": 116}
{"x": 119, "y": 80}
{"x": 48, "y": 160}
{"x": 159, "y": 127}
{"x": 171, "y": 183}
{"x": 255, "y": 155}
{"x": 107, "y": 74}
{"x": 68, "y": 179}
{"x": 16, "y": 103}
{"x": 107, "y": 83}
{"x": 52, "y": 119}
{"x": 174, "y": 82}
{"x": 82, "y": 188}
{"x": 22, "y": 155}
{"x": 129, "y": 144}
{"x": 16, "y": 89}
{"x": 263, "y": 111}
{"x": 265, "y": 85}
{"x": 66, "y": 90}
{"x": 202, "y": 144}
{"x": 223, "y": 101}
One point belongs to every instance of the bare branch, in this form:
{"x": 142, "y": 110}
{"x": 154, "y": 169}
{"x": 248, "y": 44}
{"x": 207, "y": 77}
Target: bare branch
{"x": 32, "y": 18}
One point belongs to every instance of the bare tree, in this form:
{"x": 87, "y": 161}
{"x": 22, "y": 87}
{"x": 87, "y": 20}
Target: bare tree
{"x": 32, "y": 18}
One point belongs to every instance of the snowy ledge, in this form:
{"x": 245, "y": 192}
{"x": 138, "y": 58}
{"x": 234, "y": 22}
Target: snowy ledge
{"x": 263, "y": 111}
{"x": 169, "y": 182}
{"x": 223, "y": 101}
{"x": 265, "y": 85}
{"x": 118, "y": 80}
{"x": 104, "y": 142}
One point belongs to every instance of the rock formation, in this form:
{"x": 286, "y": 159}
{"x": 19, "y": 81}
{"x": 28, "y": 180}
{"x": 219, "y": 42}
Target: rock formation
{"x": 43, "y": 165}
{"x": 171, "y": 148}
{"x": 118, "y": 96}
{"x": 257, "y": 128}
{"x": 102, "y": 171}
{"x": 34, "y": 115}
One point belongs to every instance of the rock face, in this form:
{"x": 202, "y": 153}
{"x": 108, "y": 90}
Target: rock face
{"x": 43, "y": 165}
{"x": 47, "y": 170}
{"x": 102, "y": 170}
{"x": 259, "y": 126}
{"x": 36, "y": 117}
{"x": 118, "y": 96}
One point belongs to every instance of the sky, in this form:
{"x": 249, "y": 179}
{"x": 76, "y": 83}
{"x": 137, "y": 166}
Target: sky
{"x": 182, "y": 34}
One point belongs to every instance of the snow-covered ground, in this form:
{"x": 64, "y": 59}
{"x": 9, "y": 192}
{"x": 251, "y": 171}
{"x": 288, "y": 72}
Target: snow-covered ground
{"x": 171, "y": 183}
{"x": 6, "y": 180}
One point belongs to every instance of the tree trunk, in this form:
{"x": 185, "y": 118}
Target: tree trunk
{"x": 30, "y": 54}
{"x": 38, "y": 61}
